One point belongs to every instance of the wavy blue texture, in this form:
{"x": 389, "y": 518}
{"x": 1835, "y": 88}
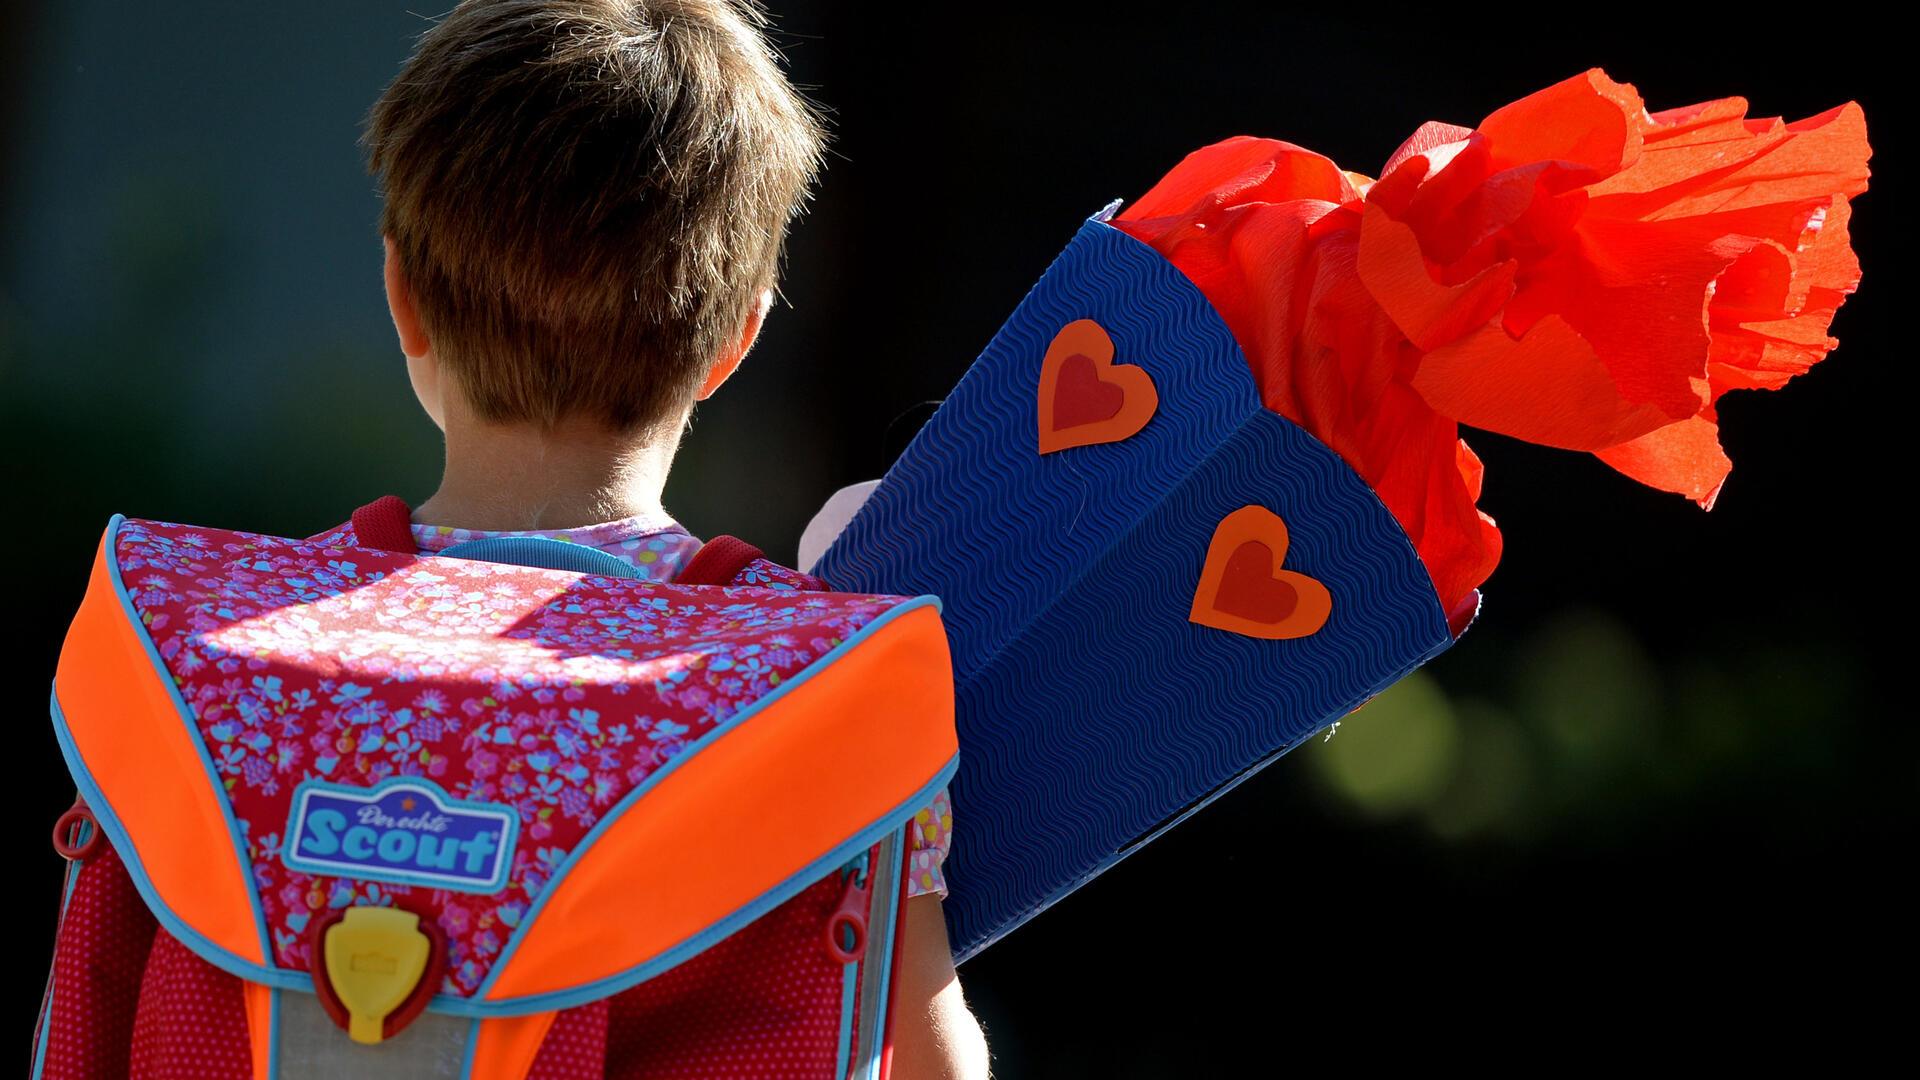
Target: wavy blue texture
{"x": 971, "y": 491}
{"x": 1091, "y": 711}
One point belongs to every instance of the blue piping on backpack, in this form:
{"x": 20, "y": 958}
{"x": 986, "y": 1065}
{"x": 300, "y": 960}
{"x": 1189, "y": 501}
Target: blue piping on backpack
{"x": 586, "y": 842}
{"x": 452, "y": 1005}
{"x": 473, "y": 1048}
{"x": 117, "y": 835}
{"x": 885, "y": 996}
{"x": 712, "y": 935}
{"x": 110, "y": 554}
{"x": 273, "y": 1029}
{"x": 46, "y": 1015}
{"x": 849, "y": 978}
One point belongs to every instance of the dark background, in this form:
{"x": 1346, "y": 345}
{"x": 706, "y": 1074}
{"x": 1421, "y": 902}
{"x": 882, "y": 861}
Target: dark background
{"x": 1663, "y": 788}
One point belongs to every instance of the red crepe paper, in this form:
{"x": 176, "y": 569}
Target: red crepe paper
{"x": 1575, "y": 271}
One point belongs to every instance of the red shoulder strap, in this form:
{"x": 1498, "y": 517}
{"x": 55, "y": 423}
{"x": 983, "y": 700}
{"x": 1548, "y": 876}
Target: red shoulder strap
{"x": 386, "y": 523}
{"x": 718, "y": 562}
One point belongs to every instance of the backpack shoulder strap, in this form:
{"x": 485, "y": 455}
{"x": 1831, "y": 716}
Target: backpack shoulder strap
{"x": 718, "y": 562}
{"x": 386, "y": 523}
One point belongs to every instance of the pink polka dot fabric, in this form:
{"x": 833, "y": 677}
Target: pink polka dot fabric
{"x": 576, "y": 1045}
{"x": 101, "y": 951}
{"x": 764, "y": 1002}
{"x": 191, "y": 1023}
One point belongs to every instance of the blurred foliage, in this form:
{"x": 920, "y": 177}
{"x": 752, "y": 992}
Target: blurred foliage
{"x": 1587, "y": 732}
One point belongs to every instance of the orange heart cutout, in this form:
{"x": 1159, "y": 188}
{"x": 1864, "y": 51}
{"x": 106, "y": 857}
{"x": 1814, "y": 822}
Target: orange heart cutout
{"x": 1086, "y": 398}
{"x": 1242, "y": 588}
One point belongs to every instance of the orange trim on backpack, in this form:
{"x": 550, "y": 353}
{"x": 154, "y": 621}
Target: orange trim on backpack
{"x": 505, "y": 1046}
{"x": 123, "y": 719}
{"x": 259, "y": 1004}
{"x": 749, "y": 811}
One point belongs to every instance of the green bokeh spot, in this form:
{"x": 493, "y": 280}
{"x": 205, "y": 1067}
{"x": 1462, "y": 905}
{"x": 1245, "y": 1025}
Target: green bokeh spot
{"x": 1398, "y": 752}
{"x": 1589, "y": 687}
{"x": 1495, "y": 783}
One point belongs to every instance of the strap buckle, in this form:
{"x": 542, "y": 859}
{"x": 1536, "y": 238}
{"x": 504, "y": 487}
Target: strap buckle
{"x": 375, "y": 969}
{"x": 76, "y": 836}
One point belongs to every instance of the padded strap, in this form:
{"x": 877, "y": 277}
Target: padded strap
{"x": 385, "y": 524}
{"x": 545, "y": 554}
{"x": 718, "y": 562}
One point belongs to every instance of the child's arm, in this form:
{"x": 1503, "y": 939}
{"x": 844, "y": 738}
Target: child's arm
{"x": 934, "y": 1036}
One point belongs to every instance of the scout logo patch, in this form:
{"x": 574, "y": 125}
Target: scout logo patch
{"x": 403, "y": 830}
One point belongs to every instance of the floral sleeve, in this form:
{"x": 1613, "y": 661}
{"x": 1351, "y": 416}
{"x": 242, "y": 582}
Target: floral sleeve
{"x": 928, "y": 839}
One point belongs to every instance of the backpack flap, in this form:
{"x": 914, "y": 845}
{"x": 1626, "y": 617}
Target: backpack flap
{"x": 574, "y": 781}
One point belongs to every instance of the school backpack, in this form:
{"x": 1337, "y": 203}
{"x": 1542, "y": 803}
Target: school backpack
{"x": 505, "y": 811}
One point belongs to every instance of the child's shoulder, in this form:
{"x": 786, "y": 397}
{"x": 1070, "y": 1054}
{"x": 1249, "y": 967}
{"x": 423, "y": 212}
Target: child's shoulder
{"x": 659, "y": 548}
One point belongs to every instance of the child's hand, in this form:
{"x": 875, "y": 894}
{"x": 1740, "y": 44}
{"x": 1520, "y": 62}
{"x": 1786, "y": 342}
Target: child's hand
{"x": 934, "y": 1036}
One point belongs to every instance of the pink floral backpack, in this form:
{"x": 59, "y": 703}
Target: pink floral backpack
{"x": 347, "y": 810}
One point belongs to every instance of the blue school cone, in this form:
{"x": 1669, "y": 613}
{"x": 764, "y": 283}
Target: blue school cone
{"x": 1147, "y": 600}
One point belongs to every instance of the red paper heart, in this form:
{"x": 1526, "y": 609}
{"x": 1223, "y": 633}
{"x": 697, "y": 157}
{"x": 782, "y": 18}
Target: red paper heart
{"x": 1243, "y": 589}
{"x": 1079, "y": 397}
{"x": 1249, "y": 590}
{"x": 1084, "y": 397}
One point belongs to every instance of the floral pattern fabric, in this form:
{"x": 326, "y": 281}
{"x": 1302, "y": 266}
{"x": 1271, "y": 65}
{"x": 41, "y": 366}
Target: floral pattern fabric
{"x": 659, "y": 547}
{"x": 550, "y": 692}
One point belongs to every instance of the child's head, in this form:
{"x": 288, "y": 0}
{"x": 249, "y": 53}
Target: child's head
{"x": 586, "y": 201}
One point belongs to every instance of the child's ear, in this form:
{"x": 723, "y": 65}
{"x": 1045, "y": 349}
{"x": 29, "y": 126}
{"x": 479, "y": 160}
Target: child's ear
{"x": 423, "y": 371}
{"x": 728, "y": 362}
{"x": 406, "y": 317}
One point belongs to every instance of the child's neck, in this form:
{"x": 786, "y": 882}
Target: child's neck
{"x": 512, "y": 477}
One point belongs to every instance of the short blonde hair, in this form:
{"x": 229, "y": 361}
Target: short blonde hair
{"x": 587, "y": 196}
